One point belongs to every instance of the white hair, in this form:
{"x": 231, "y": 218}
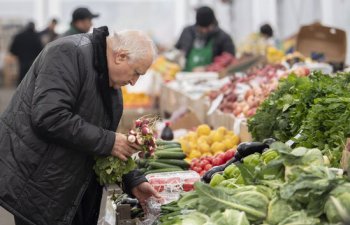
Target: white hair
{"x": 137, "y": 43}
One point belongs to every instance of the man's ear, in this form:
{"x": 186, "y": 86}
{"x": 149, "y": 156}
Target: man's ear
{"x": 121, "y": 55}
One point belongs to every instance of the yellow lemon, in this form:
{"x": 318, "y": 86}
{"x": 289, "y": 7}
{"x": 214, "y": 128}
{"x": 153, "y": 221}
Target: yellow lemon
{"x": 203, "y": 147}
{"x": 195, "y": 154}
{"x": 188, "y": 160}
{"x": 207, "y": 154}
{"x": 202, "y": 139}
{"x": 217, "y": 147}
{"x": 185, "y": 147}
{"x": 235, "y": 140}
{"x": 203, "y": 129}
{"x": 228, "y": 143}
{"x": 222, "y": 130}
{"x": 217, "y": 137}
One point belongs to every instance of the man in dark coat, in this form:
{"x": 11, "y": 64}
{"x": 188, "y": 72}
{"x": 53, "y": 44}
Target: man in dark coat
{"x": 66, "y": 111}
{"x": 49, "y": 34}
{"x": 26, "y": 46}
{"x": 203, "y": 41}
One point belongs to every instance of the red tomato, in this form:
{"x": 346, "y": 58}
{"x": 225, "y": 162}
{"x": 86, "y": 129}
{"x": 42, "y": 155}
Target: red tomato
{"x": 222, "y": 157}
{"x": 194, "y": 161}
{"x": 187, "y": 187}
{"x": 197, "y": 169}
{"x": 202, "y": 173}
{"x": 208, "y": 167}
{"x": 203, "y": 163}
{"x": 208, "y": 158}
{"x": 229, "y": 154}
{"x": 217, "y": 162}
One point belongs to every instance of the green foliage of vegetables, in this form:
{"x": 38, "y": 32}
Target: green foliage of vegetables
{"x": 317, "y": 107}
{"x": 111, "y": 169}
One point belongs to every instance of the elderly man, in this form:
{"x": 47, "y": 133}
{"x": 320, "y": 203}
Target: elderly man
{"x": 65, "y": 112}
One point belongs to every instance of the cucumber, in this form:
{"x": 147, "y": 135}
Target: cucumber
{"x": 168, "y": 146}
{"x": 176, "y": 162}
{"x": 163, "y": 170}
{"x": 169, "y": 155}
{"x": 159, "y": 165}
{"x": 161, "y": 142}
{"x": 169, "y": 150}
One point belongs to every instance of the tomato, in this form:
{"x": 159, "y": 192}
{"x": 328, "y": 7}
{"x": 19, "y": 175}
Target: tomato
{"x": 194, "y": 161}
{"x": 208, "y": 167}
{"x": 217, "y": 162}
{"x": 222, "y": 157}
{"x": 209, "y": 158}
{"x": 197, "y": 169}
{"x": 229, "y": 154}
{"x": 202, "y": 173}
{"x": 203, "y": 163}
{"x": 187, "y": 187}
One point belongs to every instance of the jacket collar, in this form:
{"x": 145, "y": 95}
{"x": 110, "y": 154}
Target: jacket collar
{"x": 100, "y": 64}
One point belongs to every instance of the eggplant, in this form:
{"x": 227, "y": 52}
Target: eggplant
{"x": 244, "y": 149}
{"x": 248, "y": 148}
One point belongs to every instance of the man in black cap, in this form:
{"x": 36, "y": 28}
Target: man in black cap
{"x": 81, "y": 21}
{"x": 204, "y": 40}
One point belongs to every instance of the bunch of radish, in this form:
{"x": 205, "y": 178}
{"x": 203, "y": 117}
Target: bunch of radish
{"x": 142, "y": 135}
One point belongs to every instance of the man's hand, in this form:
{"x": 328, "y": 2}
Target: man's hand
{"x": 122, "y": 148}
{"x": 144, "y": 191}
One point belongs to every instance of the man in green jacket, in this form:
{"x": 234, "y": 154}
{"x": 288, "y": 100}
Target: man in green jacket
{"x": 81, "y": 21}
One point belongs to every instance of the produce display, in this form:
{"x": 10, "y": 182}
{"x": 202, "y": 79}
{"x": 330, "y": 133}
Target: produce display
{"x": 110, "y": 169}
{"x": 242, "y": 95}
{"x": 205, "y": 163}
{"x": 133, "y": 100}
{"x": 207, "y": 142}
{"x": 314, "y": 111}
{"x": 279, "y": 187}
{"x": 221, "y": 62}
{"x": 165, "y": 68}
{"x": 168, "y": 157}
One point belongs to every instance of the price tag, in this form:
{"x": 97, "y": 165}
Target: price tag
{"x": 215, "y": 104}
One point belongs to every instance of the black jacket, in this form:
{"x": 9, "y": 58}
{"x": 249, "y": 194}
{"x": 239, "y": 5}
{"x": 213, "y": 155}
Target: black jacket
{"x": 222, "y": 42}
{"x": 59, "y": 119}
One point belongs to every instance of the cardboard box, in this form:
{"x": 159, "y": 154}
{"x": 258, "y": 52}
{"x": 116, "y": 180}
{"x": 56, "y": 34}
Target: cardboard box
{"x": 329, "y": 41}
{"x": 186, "y": 120}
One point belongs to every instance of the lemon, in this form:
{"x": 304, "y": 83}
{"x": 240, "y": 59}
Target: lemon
{"x": 228, "y": 143}
{"x": 235, "y": 140}
{"x": 217, "y": 147}
{"x": 204, "y": 148}
{"x": 217, "y": 137}
{"x": 203, "y": 129}
{"x": 222, "y": 130}
{"x": 195, "y": 154}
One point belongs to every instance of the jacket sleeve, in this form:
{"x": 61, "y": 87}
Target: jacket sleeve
{"x": 185, "y": 41}
{"x": 55, "y": 96}
{"x": 228, "y": 45}
{"x": 131, "y": 180}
